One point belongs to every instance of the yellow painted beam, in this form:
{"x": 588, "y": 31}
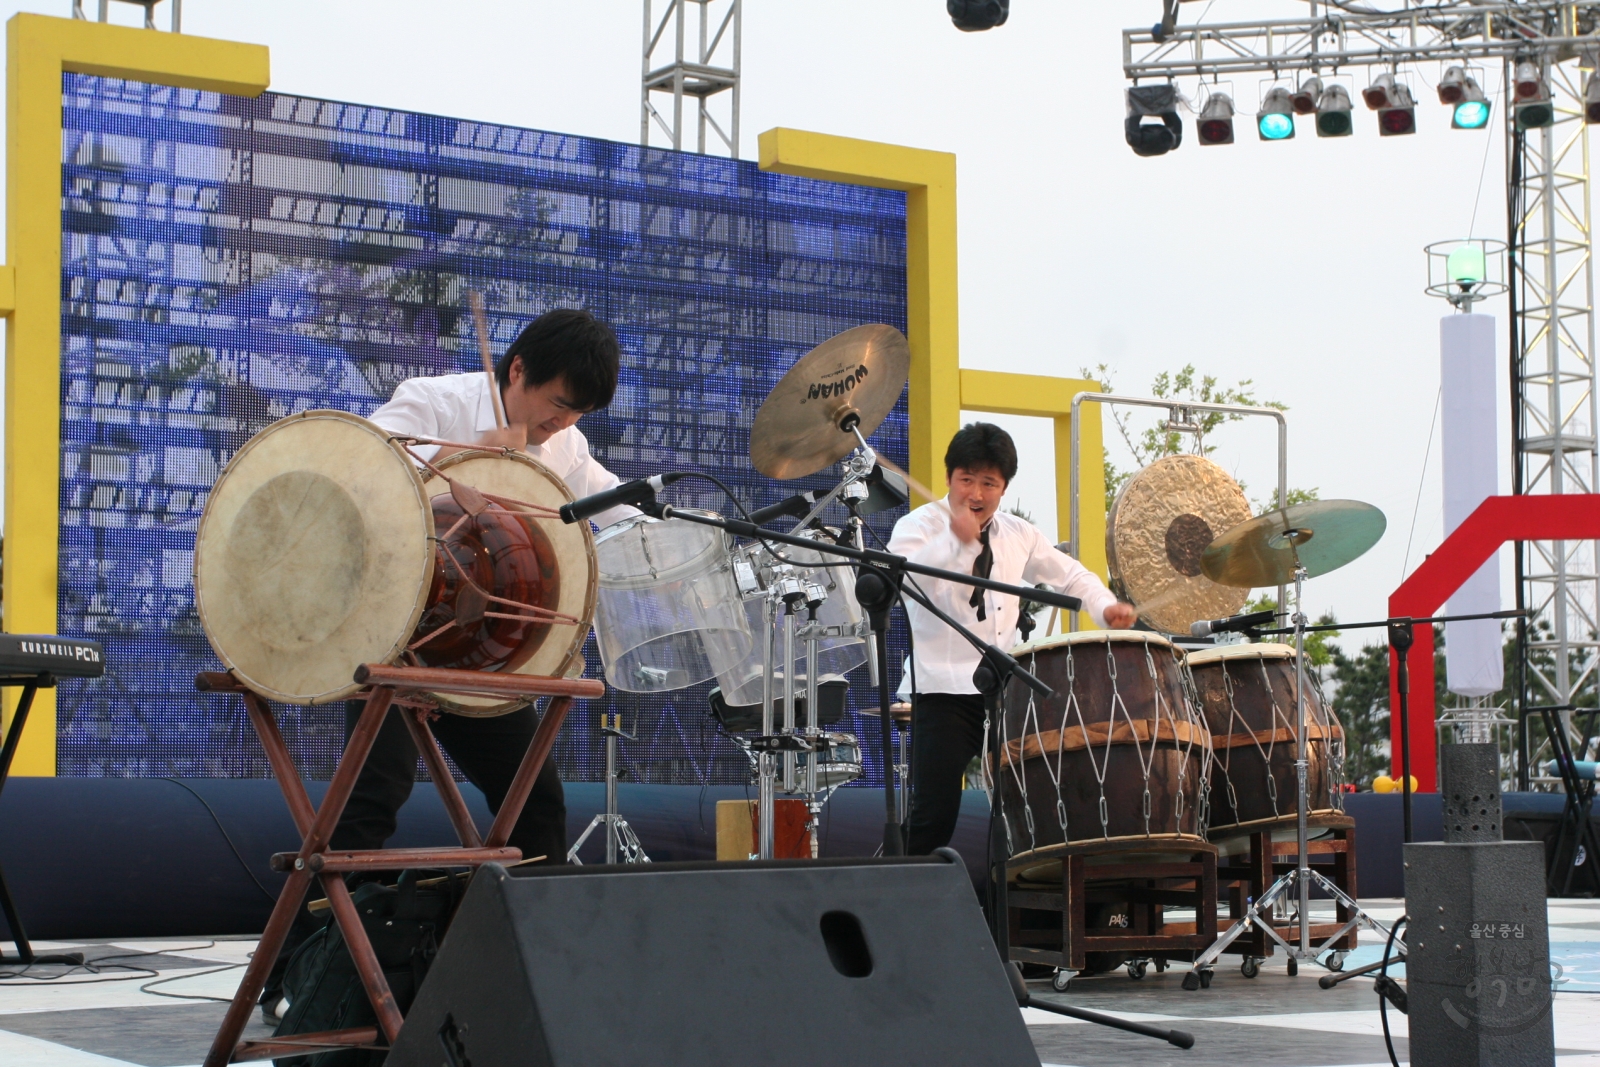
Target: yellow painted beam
{"x": 1037, "y": 395}
{"x": 8, "y": 290}
{"x": 932, "y": 325}
{"x": 39, "y": 49}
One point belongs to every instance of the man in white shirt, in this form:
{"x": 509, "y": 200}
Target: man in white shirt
{"x": 562, "y": 366}
{"x": 967, "y": 532}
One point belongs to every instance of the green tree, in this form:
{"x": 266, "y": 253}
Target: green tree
{"x": 1153, "y": 442}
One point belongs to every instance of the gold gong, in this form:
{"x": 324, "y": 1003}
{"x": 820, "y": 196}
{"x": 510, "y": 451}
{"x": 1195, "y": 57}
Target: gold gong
{"x": 1156, "y": 532}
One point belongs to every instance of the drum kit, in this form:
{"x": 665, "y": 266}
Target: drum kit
{"x": 329, "y": 542}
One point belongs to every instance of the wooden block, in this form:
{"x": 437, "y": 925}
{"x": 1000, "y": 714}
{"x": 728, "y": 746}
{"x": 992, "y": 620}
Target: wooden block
{"x": 737, "y": 829}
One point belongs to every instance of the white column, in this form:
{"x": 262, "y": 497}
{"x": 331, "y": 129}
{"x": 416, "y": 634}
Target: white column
{"x": 1469, "y": 415}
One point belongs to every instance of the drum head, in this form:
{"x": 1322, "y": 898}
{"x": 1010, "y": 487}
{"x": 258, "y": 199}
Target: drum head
{"x": 1161, "y": 522}
{"x": 519, "y": 476}
{"x": 313, "y": 556}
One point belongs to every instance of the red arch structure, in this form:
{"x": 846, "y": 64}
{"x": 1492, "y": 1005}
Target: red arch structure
{"x": 1556, "y": 517}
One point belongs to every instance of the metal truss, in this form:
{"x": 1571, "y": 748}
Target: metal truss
{"x": 1550, "y": 242}
{"x": 1554, "y": 377}
{"x": 1341, "y": 37}
{"x": 682, "y": 53}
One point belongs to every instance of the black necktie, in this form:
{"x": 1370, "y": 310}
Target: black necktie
{"x": 980, "y": 569}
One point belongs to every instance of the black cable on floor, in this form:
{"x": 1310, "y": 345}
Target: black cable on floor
{"x": 1383, "y": 1000}
{"x": 24, "y": 979}
{"x": 224, "y": 831}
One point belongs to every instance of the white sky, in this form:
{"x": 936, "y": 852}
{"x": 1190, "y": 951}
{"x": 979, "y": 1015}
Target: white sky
{"x": 1298, "y": 265}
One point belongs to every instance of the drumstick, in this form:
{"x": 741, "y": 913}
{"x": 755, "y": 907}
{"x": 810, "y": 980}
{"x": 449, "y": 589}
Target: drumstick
{"x": 912, "y": 482}
{"x": 1166, "y": 596}
{"x": 480, "y": 319}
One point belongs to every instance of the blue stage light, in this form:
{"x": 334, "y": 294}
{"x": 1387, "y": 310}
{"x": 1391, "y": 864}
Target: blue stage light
{"x": 1275, "y": 121}
{"x": 1470, "y": 115}
{"x": 1275, "y": 127}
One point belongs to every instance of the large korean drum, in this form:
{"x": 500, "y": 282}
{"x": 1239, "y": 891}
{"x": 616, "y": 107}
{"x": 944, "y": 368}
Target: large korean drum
{"x": 1118, "y": 756}
{"x": 323, "y": 546}
{"x": 1247, "y": 695}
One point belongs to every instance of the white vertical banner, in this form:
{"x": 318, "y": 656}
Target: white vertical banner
{"x": 1468, "y": 411}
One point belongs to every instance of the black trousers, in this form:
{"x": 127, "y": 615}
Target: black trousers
{"x": 946, "y": 733}
{"x": 487, "y": 750}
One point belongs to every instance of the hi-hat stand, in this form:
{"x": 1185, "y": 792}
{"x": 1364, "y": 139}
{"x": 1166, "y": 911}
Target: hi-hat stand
{"x": 620, "y": 838}
{"x": 1296, "y": 884}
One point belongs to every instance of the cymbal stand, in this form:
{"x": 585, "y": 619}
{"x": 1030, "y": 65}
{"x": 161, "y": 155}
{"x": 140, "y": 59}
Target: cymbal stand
{"x": 1258, "y": 912}
{"x": 620, "y": 838}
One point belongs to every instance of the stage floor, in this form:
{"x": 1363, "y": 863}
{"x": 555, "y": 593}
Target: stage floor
{"x": 117, "y": 1018}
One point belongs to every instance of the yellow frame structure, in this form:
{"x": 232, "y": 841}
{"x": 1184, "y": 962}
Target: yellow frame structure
{"x": 39, "y": 49}
{"x": 940, "y": 389}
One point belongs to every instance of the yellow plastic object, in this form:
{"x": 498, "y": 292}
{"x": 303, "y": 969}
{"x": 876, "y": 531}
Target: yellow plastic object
{"x": 1384, "y": 784}
{"x": 38, "y": 50}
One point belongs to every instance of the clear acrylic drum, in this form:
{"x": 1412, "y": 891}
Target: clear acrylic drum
{"x": 838, "y": 654}
{"x": 668, "y": 614}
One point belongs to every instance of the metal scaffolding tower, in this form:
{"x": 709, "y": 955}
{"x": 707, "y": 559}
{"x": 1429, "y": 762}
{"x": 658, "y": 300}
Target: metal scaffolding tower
{"x": 1552, "y": 276}
{"x": 692, "y": 51}
{"x": 1553, "y": 374}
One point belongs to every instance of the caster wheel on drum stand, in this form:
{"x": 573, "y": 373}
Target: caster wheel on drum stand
{"x": 1161, "y": 966}
{"x": 1336, "y": 961}
{"x": 1294, "y": 966}
{"x": 1060, "y": 981}
{"x": 1136, "y": 969}
{"x": 1250, "y": 967}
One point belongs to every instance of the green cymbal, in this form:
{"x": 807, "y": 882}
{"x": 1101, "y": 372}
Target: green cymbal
{"x": 1322, "y": 535}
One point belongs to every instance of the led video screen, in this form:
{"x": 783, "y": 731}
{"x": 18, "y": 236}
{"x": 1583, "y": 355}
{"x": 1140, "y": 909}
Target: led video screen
{"x": 227, "y": 262}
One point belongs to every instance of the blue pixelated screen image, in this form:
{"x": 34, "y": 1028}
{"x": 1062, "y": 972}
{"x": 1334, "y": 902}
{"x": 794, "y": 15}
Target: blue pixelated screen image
{"x": 229, "y": 261}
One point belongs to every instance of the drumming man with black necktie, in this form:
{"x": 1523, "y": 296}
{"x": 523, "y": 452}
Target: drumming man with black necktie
{"x": 967, "y": 532}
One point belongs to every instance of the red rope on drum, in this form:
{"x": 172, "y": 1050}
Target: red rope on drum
{"x": 508, "y": 503}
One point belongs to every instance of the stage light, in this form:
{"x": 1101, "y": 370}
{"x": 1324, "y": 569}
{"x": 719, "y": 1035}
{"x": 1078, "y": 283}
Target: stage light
{"x": 1304, "y": 99}
{"x": 1534, "y": 108}
{"x": 1275, "y": 120}
{"x": 1380, "y": 94}
{"x": 973, "y": 16}
{"x": 1158, "y": 102}
{"x": 1591, "y": 100}
{"x": 1528, "y": 84}
{"x": 1216, "y": 120}
{"x": 1333, "y": 112}
{"x": 1471, "y": 109}
{"x": 1453, "y": 86}
{"x": 1400, "y": 117}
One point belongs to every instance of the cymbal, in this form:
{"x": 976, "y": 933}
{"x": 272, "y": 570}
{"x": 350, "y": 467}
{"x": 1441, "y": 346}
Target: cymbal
{"x": 852, "y": 378}
{"x": 1323, "y": 535}
{"x": 899, "y": 712}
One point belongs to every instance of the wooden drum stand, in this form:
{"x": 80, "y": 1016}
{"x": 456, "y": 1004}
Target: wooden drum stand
{"x": 389, "y": 685}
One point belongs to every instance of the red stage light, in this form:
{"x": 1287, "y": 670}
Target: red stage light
{"x": 1397, "y": 120}
{"x": 1451, "y": 94}
{"x": 1216, "y": 131}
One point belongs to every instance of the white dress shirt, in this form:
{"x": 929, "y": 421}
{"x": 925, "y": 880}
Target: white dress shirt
{"x": 457, "y": 407}
{"x": 1022, "y": 556}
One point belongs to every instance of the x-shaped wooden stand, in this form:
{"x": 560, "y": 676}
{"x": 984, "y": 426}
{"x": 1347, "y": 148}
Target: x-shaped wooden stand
{"x": 316, "y": 827}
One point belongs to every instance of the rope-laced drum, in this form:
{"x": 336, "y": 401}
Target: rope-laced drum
{"x": 322, "y": 548}
{"x": 1119, "y": 755}
{"x": 1247, "y": 695}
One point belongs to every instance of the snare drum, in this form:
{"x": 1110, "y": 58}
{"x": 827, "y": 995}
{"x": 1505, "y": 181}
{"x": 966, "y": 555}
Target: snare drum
{"x": 321, "y": 548}
{"x": 838, "y": 761}
{"x": 1119, "y": 753}
{"x": 668, "y": 614}
{"x": 1247, "y": 695}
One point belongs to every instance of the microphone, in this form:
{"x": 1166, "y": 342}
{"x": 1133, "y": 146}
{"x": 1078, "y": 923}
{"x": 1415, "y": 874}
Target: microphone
{"x": 1232, "y": 624}
{"x": 798, "y": 505}
{"x": 638, "y": 491}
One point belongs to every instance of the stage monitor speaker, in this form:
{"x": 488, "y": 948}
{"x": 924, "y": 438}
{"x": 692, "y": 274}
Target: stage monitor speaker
{"x": 781, "y": 962}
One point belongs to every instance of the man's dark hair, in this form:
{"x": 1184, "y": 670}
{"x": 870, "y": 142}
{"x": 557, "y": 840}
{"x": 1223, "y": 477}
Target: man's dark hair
{"x": 980, "y": 446}
{"x": 571, "y": 344}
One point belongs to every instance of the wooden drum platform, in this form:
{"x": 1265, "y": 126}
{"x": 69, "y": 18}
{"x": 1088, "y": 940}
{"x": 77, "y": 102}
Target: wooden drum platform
{"x": 1094, "y": 905}
{"x": 1252, "y": 859}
